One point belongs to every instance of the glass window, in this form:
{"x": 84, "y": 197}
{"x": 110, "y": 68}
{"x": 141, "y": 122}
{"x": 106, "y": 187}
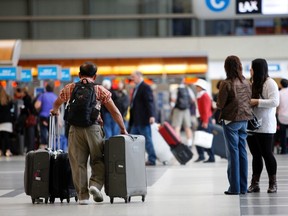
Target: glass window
{"x": 244, "y": 27}
{"x": 14, "y": 30}
{"x": 218, "y": 27}
{"x": 13, "y": 8}
{"x": 58, "y": 30}
{"x": 56, "y": 7}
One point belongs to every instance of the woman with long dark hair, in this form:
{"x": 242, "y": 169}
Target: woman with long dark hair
{"x": 5, "y": 123}
{"x": 265, "y": 99}
{"x": 235, "y": 110}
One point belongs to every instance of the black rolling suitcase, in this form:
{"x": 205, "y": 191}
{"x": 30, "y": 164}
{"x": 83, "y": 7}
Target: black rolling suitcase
{"x": 218, "y": 141}
{"x": 61, "y": 183}
{"x": 125, "y": 171}
{"x": 37, "y": 175}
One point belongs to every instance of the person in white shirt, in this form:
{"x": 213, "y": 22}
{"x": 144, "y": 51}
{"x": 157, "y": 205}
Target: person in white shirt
{"x": 282, "y": 113}
{"x": 265, "y": 99}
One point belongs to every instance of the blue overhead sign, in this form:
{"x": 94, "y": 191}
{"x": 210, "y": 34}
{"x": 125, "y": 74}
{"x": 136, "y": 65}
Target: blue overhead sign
{"x": 76, "y": 79}
{"x": 49, "y": 72}
{"x": 66, "y": 77}
{"x": 26, "y": 75}
{"x": 217, "y": 6}
{"x": 274, "y": 68}
{"x": 8, "y": 73}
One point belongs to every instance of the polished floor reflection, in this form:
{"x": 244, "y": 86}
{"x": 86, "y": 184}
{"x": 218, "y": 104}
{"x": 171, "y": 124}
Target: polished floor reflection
{"x": 193, "y": 189}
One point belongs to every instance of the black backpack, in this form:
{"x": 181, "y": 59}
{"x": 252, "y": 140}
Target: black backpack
{"x": 183, "y": 99}
{"x": 83, "y": 108}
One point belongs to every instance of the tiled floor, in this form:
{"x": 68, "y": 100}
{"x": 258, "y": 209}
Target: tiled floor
{"x": 173, "y": 190}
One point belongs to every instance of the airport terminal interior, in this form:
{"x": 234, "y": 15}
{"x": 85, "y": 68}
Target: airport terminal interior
{"x": 167, "y": 40}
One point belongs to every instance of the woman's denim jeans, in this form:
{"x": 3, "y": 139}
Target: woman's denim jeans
{"x": 235, "y": 141}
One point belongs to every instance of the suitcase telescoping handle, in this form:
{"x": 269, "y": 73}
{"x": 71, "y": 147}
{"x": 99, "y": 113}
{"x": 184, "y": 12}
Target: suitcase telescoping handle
{"x": 54, "y": 133}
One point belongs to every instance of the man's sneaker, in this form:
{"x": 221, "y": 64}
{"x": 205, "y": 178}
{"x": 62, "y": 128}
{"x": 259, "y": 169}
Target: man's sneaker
{"x": 97, "y": 195}
{"x": 84, "y": 202}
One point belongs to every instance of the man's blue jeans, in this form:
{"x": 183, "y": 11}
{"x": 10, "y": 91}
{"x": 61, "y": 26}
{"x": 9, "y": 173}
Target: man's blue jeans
{"x": 235, "y": 140}
{"x": 146, "y": 132}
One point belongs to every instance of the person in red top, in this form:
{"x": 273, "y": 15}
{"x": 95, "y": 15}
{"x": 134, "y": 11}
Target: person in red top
{"x": 87, "y": 142}
{"x": 204, "y": 103}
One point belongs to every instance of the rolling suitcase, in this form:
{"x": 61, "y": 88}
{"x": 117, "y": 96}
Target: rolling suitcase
{"x": 218, "y": 141}
{"x": 161, "y": 147}
{"x": 125, "y": 171}
{"x": 168, "y": 133}
{"x": 181, "y": 152}
{"x": 61, "y": 183}
{"x": 37, "y": 174}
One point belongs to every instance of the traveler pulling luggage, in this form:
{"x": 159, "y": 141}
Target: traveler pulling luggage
{"x": 181, "y": 151}
{"x": 161, "y": 147}
{"x": 125, "y": 171}
{"x": 47, "y": 173}
{"x": 61, "y": 183}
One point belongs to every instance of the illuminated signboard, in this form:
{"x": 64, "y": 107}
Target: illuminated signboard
{"x": 9, "y": 73}
{"x": 248, "y": 7}
{"x": 65, "y": 76}
{"x": 49, "y": 72}
{"x": 26, "y": 75}
{"x": 272, "y": 7}
{"x": 264, "y": 7}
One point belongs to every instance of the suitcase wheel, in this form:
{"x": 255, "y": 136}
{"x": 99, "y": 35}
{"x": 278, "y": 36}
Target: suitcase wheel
{"x": 129, "y": 199}
{"x": 126, "y": 200}
{"x": 38, "y": 200}
{"x": 111, "y": 200}
{"x": 46, "y": 200}
{"x": 68, "y": 200}
{"x": 76, "y": 198}
{"x": 165, "y": 162}
{"x": 143, "y": 198}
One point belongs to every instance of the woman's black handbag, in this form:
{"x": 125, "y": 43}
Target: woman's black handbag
{"x": 253, "y": 124}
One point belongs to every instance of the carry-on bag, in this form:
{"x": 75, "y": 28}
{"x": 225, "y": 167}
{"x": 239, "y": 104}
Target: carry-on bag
{"x": 125, "y": 171}
{"x": 37, "y": 174}
{"x": 162, "y": 150}
{"x": 203, "y": 139}
{"x": 169, "y": 134}
{"x": 181, "y": 151}
{"x": 61, "y": 183}
{"x": 219, "y": 141}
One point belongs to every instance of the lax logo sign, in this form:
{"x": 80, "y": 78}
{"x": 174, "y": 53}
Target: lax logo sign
{"x": 248, "y": 7}
{"x": 217, "y": 5}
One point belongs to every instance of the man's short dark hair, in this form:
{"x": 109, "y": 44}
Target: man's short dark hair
{"x": 284, "y": 83}
{"x": 88, "y": 69}
{"x": 49, "y": 87}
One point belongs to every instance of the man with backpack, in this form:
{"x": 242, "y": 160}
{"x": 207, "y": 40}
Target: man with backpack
{"x": 182, "y": 99}
{"x": 86, "y": 132}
